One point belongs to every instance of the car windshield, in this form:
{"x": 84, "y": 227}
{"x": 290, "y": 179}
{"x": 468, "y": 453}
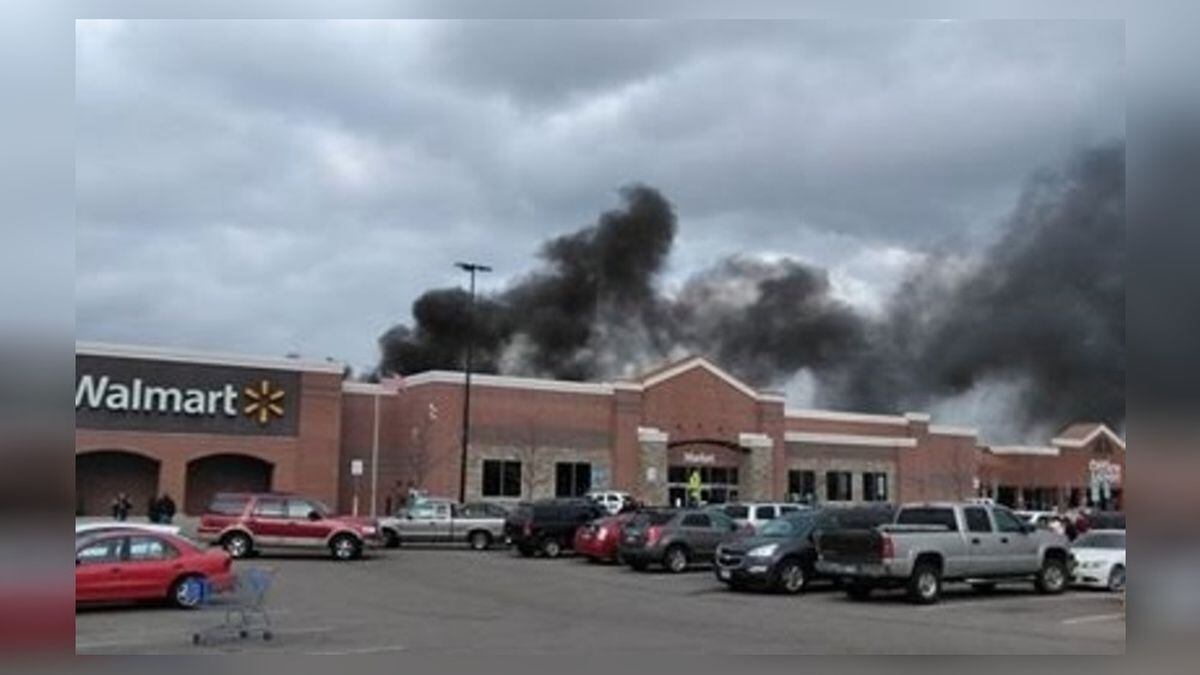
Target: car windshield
{"x": 1111, "y": 540}
{"x": 783, "y": 528}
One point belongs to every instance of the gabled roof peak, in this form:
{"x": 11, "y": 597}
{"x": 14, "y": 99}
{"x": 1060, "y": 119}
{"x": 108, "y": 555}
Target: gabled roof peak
{"x": 1082, "y": 434}
{"x": 692, "y": 362}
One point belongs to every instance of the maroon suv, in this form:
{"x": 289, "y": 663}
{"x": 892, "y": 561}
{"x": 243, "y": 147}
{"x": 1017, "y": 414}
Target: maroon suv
{"x": 246, "y": 523}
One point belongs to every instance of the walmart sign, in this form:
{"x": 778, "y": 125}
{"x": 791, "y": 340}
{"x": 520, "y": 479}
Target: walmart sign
{"x": 143, "y": 395}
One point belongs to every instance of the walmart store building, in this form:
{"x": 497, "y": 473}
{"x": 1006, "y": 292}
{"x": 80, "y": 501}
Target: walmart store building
{"x": 152, "y": 421}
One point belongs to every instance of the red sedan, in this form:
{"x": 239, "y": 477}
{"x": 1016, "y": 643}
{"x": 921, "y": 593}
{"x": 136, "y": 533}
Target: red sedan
{"x": 599, "y": 539}
{"x": 132, "y": 565}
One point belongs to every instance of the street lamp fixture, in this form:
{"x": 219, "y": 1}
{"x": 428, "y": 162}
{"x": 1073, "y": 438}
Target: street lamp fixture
{"x": 472, "y": 269}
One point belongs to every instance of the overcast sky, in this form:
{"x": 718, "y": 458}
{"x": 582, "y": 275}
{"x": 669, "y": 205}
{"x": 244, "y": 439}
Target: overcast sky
{"x": 274, "y": 187}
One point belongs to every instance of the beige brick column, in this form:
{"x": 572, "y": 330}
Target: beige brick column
{"x": 651, "y": 484}
{"x": 756, "y": 475}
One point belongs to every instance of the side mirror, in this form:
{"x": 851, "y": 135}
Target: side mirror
{"x": 314, "y": 516}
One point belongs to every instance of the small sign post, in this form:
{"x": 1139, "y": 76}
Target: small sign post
{"x": 356, "y": 470}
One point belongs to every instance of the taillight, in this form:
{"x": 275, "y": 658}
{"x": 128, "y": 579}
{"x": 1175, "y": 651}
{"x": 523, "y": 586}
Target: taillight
{"x": 887, "y": 548}
{"x": 653, "y": 535}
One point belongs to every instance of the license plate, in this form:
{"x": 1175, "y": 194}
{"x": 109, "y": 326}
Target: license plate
{"x": 723, "y": 574}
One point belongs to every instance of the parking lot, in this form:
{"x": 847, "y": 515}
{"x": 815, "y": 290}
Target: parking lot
{"x": 454, "y": 600}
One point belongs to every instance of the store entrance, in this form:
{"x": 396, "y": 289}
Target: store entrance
{"x": 718, "y": 484}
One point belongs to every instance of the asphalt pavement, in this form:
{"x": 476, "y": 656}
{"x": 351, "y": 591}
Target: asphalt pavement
{"x": 438, "y": 600}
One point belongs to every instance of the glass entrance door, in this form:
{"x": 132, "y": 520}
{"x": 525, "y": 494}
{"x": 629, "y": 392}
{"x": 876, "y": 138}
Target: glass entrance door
{"x": 718, "y": 485}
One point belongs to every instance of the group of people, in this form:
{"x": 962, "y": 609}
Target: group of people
{"x": 158, "y": 509}
{"x": 1071, "y": 523}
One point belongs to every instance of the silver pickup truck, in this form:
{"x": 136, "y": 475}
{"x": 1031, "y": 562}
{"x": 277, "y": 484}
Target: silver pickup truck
{"x": 932, "y": 543}
{"x": 433, "y": 521}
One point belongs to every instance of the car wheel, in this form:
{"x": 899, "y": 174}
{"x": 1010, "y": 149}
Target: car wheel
{"x": 984, "y": 587}
{"x": 345, "y": 547}
{"x": 238, "y": 545}
{"x": 858, "y": 590}
{"x": 188, "y": 592}
{"x": 480, "y": 541}
{"x": 551, "y": 548}
{"x": 792, "y": 578}
{"x": 675, "y": 559}
{"x": 1052, "y": 579}
{"x": 925, "y": 584}
{"x": 391, "y": 539}
{"x": 1116, "y": 579}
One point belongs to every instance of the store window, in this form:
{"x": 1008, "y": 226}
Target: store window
{"x": 875, "y": 487}
{"x": 501, "y": 478}
{"x": 572, "y": 479}
{"x": 839, "y": 486}
{"x": 802, "y": 486}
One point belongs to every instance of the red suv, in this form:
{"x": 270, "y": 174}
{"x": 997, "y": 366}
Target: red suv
{"x": 246, "y": 523}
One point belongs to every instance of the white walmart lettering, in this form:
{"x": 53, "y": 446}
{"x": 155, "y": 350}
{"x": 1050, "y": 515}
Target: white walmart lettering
{"x": 102, "y": 393}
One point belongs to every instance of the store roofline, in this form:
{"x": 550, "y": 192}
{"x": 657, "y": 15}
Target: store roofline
{"x": 177, "y": 355}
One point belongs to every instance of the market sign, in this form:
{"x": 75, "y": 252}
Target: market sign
{"x": 706, "y": 458}
{"x": 1103, "y": 471}
{"x": 164, "y": 396}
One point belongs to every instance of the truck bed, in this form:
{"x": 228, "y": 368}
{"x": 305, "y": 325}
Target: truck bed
{"x": 850, "y": 546}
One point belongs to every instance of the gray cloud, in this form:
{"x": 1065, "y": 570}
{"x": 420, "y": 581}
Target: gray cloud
{"x": 293, "y": 186}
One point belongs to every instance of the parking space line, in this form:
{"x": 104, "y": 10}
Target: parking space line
{"x": 384, "y": 649}
{"x": 1094, "y": 618}
{"x": 984, "y": 602}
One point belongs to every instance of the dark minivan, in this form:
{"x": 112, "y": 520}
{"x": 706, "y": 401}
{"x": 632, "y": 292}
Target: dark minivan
{"x": 548, "y": 526}
{"x": 782, "y": 557}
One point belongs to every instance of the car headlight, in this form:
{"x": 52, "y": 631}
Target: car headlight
{"x": 763, "y": 551}
{"x": 368, "y": 530}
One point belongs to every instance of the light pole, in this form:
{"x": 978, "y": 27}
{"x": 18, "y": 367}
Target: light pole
{"x": 471, "y": 269}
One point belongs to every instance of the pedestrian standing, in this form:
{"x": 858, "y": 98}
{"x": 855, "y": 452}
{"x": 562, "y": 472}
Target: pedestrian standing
{"x": 121, "y": 506}
{"x": 166, "y": 509}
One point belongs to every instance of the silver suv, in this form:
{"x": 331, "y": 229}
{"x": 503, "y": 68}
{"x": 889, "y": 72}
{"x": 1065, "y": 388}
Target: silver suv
{"x": 757, "y": 514}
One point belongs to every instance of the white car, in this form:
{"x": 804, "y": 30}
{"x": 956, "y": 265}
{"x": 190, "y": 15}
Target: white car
{"x": 90, "y": 527}
{"x": 758, "y": 514}
{"x": 611, "y": 500}
{"x": 1098, "y": 560}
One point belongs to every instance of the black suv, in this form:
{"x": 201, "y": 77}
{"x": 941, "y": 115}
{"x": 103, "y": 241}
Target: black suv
{"x": 783, "y": 555}
{"x": 549, "y": 526}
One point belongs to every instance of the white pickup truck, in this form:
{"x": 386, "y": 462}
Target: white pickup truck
{"x": 433, "y": 521}
{"x": 933, "y": 543}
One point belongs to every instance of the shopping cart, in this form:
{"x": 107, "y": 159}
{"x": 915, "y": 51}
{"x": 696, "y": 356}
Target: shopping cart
{"x": 243, "y": 607}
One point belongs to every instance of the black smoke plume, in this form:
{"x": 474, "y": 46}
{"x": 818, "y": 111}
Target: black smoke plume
{"x": 1044, "y": 307}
